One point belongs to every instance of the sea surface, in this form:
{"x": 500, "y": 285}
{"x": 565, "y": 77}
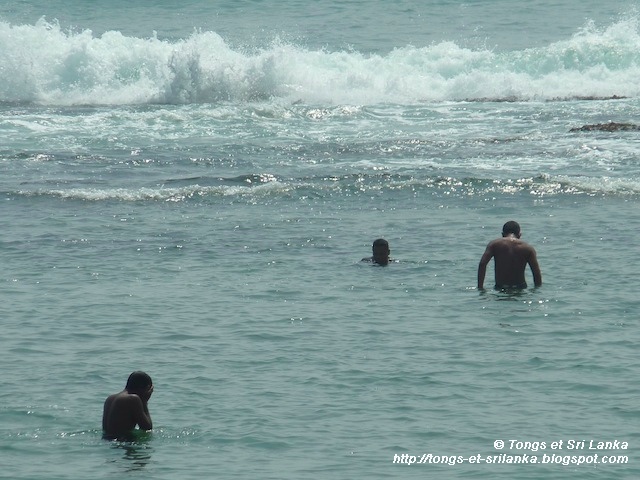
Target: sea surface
{"x": 188, "y": 188}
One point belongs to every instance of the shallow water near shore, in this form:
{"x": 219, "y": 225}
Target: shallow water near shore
{"x": 195, "y": 204}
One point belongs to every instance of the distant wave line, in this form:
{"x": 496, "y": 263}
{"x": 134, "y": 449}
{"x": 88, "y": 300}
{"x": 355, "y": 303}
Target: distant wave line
{"x": 541, "y": 186}
{"x": 41, "y": 64}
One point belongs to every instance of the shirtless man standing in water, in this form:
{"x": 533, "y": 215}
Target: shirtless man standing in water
{"x": 511, "y": 258}
{"x": 124, "y": 410}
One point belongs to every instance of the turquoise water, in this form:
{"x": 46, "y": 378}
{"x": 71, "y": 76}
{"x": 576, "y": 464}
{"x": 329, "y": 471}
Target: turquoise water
{"x": 194, "y": 203}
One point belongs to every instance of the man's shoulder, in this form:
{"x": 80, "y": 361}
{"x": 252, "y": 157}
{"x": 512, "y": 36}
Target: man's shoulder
{"x": 509, "y": 242}
{"x": 111, "y": 397}
{"x": 524, "y": 245}
{"x": 498, "y": 242}
{"x": 124, "y": 397}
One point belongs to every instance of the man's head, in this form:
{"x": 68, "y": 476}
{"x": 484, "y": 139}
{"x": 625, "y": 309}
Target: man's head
{"x": 381, "y": 251}
{"x": 511, "y": 228}
{"x": 138, "y": 382}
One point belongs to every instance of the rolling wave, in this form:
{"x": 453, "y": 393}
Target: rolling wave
{"x": 43, "y": 64}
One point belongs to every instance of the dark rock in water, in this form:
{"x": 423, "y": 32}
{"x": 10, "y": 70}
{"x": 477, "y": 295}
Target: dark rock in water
{"x": 608, "y": 127}
{"x": 593, "y": 97}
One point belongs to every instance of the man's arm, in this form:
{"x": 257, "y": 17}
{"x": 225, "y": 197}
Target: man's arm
{"x": 535, "y": 268}
{"x": 482, "y": 267}
{"x": 105, "y": 412}
{"x": 141, "y": 413}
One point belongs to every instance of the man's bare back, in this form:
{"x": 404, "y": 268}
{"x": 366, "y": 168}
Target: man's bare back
{"x": 128, "y": 408}
{"x": 511, "y": 256}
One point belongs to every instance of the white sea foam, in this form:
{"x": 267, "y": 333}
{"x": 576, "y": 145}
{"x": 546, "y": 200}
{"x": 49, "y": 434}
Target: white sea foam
{"x": 43, "y": 64}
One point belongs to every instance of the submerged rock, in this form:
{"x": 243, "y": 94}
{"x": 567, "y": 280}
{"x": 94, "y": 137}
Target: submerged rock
{"x": 608, "y": 127}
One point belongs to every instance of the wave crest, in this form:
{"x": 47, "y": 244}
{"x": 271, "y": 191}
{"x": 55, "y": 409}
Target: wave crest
{"x": 42, "y": 64}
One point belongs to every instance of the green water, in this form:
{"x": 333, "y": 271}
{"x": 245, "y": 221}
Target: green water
{"x": 276, "y": 354}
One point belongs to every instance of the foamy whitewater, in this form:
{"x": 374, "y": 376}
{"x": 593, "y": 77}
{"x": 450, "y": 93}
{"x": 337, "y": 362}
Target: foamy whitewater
{"x": 188, "y": 190}
{"x": 45, "y": 64}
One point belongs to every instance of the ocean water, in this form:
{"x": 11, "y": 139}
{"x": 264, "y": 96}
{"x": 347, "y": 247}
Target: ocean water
{"x": 188, "y": 188}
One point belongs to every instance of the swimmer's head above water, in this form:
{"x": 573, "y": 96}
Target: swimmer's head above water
{"x": 138, "y": 381}
{"x": 381, "y": 251}
{"x": 511, "y": 228}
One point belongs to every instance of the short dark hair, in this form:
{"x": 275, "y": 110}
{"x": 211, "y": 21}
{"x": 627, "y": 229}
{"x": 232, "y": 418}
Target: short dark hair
{"x": 380, "y": 242}
{"x": 511, "y": 227}
{"x": 138, "y": 381}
